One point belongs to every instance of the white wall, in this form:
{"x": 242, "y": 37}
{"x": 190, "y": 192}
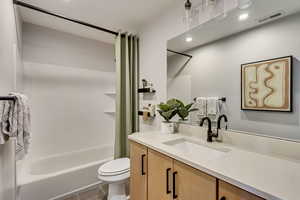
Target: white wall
{"x": 215, "y": 71}
{"x": 153, "y": 61}
{"x": 9, "y": 66}
{"x": 19, "y": 82}
{"x": 48, "y": 46}
{"x": 66, "y": 77}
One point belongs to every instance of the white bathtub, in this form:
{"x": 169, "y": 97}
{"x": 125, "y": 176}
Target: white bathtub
{"x": 55, "y": 176}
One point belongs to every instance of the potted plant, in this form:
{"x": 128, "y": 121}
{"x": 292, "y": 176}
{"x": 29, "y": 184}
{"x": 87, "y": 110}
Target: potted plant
{"x": 168, "y": 110}
{"x": 183, "y": 111}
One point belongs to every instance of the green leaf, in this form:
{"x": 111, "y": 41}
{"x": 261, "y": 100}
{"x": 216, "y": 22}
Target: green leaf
{"x": 162, "y": 114}
{"x": 168, "y": 115}
{"x": 189, "y": 106}
{"x": 183, "y": 113}
{"x": 173, "y": 103}
{"x": 164, "y": 107}
{"x": 193, "y": 110}
{"x": 180, "y": 103}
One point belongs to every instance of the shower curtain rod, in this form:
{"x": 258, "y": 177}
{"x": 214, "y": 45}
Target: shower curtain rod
{"x": 183, "y": 54}
{"x": 26, "y": 5}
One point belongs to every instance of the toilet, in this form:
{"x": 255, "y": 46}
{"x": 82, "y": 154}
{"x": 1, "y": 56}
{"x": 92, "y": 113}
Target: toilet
{"x": 116, "y": 173}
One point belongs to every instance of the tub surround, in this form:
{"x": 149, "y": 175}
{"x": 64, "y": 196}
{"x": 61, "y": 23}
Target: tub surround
{"x": 79, "y": 70}
{"x": 259, "y": 168}
{"x": 60, "y": 175}
{"x": 93, "y": 194}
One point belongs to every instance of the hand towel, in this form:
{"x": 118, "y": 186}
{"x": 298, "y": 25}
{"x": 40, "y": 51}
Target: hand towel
{"x": 15, "y": 122}
{"x": 222, "y": 108}
{"x": 201, "y": 104}
{"x": 4, "y": 115}
{"x": 212, "y": 106}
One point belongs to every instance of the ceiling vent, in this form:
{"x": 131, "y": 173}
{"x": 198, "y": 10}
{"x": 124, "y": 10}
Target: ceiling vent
{"x": 271, "y": 17}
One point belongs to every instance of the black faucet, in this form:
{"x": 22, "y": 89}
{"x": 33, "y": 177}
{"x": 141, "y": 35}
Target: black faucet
{"x": 209, "y": 131}
{"x": 219, "y": 122}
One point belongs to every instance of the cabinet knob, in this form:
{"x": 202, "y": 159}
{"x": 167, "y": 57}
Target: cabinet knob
{"x": 223, "y": 198}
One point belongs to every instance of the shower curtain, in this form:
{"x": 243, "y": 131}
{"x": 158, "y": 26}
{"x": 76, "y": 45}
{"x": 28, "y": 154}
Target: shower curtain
{"x": 127, "y": 102}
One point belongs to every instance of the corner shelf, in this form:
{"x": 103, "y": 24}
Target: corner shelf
{"x": 112, "y": 93}
{"x": 110, "y": 112}
{"x": 145, "y": 90}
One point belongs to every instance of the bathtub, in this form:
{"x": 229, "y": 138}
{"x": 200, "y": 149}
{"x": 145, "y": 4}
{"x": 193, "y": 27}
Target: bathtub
{"x": 59, "y": 175}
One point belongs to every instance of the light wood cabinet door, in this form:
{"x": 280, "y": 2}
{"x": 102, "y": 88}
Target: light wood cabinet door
{"x": 159, "y": 176}
{"x": 138, "y": 171}
{"x": 192, "y": 184}
{"x": 230, "y": 192}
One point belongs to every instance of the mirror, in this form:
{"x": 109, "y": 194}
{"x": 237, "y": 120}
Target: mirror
{"x": 206, "y": 62}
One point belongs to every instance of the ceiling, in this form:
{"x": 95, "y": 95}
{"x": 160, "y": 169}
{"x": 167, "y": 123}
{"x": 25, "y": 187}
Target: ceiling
{"x": 220, "y": 28}
{"x": 126, "y": 15}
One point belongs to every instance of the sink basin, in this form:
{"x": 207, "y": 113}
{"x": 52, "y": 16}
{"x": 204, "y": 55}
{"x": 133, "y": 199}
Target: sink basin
{"x": 197, "y": 149}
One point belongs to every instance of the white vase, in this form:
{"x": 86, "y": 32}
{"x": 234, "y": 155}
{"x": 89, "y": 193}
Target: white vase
{"x": 167, "y": 127}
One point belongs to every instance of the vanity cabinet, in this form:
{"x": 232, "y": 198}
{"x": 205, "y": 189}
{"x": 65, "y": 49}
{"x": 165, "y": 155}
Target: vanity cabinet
{"x": 138, "y": 171}
{"x": 192, "y": 184}
{"x": 155, "y": 176}
{"x": 160, "y": 168}
{"x": 230, "y": 192}
{"x": 169, "y": 179}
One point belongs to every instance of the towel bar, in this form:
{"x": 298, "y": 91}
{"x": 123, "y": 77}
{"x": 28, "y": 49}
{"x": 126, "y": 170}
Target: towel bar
{"x": 223, "y": 99}
{"x": 7, "y": 98}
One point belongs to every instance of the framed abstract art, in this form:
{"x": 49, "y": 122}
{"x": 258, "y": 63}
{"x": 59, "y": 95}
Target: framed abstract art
{"x": 267, "y": 85}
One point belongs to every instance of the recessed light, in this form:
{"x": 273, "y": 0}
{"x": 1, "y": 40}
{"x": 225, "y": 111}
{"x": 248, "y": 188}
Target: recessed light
{"x": 188, "y": 39}
{"x": 243, "y": 16}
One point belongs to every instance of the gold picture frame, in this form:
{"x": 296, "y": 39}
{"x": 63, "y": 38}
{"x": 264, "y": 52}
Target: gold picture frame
{"x": 267, "y": 85}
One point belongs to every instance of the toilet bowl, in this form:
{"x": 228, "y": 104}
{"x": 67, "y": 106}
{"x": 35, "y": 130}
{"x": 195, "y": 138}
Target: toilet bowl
{"x": 116, "y": 173}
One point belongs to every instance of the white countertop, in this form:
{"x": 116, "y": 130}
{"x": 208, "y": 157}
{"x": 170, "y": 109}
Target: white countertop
{"x": 269, "y": 177}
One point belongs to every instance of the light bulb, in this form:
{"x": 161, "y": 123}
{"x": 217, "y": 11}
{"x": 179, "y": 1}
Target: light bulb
{"x": 188, "y": 39}
{"x": 243, "y": 16}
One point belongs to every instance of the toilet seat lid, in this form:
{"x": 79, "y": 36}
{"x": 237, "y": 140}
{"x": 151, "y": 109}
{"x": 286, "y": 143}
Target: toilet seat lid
{"x": 115, "y": 167}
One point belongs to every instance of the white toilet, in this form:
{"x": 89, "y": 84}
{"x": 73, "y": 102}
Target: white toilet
{"x": 115, "y": 173}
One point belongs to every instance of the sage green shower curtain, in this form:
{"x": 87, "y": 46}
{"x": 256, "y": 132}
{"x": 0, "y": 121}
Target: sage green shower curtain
{"x": 127, "y": 102}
